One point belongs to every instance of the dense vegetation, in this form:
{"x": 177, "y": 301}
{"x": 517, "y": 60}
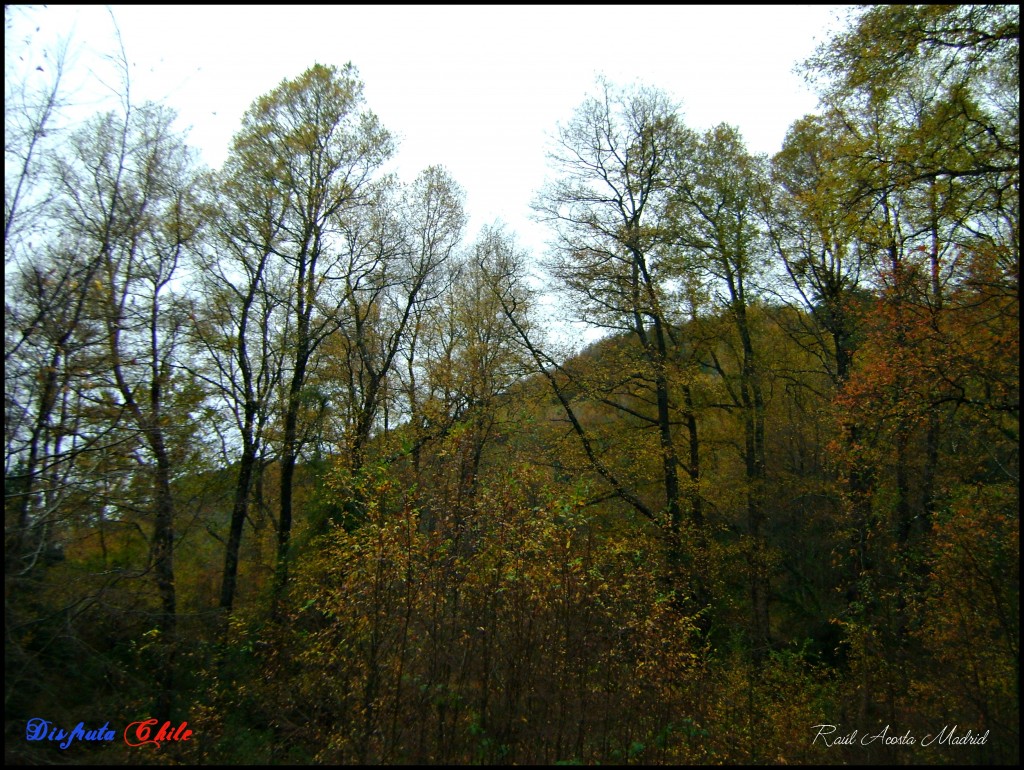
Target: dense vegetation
{"x": 289, "y": 457}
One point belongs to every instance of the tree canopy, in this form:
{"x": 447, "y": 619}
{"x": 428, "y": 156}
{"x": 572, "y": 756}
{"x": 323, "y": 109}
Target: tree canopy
{"x": 292, "y": 456}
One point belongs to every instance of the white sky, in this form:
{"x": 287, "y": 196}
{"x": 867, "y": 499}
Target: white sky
{"x": 478, "y": 89}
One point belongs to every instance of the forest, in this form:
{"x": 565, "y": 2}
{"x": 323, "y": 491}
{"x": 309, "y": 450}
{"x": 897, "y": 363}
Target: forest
{"x": 296, "y": 472}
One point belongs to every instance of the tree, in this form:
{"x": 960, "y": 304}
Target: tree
{"x": 32, "y": 108}
{"x": 236, "y": 325}
{"x": 925, "y": 105}
{"x": 814, "y": 219}
{"x": 715, "y": 206}
{"x": 812, "y": 223}
{"x": 127, "y": 193}
{"x": 926, "y": 144}
{"x": 480, "y": 358}
{"x": 397, "y": 263}
{"x": 609, "y": 207}
{"x": 429, "y": 402}
{"x": 47, "y": 303}
{"x": 95, "y": 227}
{"x": 308, "y": 150}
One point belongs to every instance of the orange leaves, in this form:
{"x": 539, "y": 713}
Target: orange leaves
{"x": 970, "y": 616}
{"x": 922, "y": 353}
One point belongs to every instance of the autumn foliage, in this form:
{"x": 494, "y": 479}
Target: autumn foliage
{"x": 298, "y": 462}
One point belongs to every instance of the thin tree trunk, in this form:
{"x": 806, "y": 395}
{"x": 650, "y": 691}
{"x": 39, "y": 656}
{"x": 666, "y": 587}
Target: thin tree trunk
{"x": 239, "y": 512}
{"x": 163, "y": 557}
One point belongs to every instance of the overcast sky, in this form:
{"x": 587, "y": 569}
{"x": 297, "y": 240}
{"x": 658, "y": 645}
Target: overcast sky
{"x": 476, "y": 89}
{"x": 479, "y": 90}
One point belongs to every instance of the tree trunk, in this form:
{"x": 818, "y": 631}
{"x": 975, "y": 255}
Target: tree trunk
{"x": 163, "y": 559}
{"x": 239, "y": 512}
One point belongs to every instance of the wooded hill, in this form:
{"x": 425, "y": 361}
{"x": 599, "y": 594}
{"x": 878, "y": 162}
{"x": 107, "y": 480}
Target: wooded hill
{"x": 289, "y": 458}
